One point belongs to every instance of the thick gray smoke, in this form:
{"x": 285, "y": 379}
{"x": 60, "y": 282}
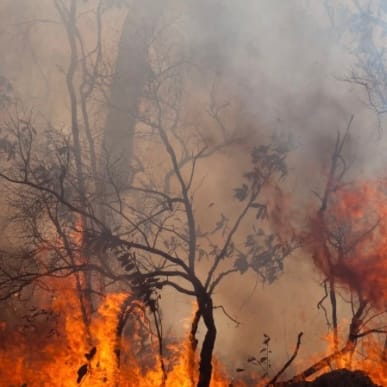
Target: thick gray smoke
{"x": 281, "y": 64}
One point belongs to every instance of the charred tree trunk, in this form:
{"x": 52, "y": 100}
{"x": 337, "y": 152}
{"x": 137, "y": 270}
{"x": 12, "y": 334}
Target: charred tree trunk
{"x": 384, "y": 354}
{"x": 205, "y": 367}
{"x": 194, "y": 344}
{"x": 332, "y": 297}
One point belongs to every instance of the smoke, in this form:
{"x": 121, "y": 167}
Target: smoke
{"x": 281, "y": 67}
{"x": 283, "y": 63}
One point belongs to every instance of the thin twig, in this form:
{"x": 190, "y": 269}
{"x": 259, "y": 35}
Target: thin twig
{"x": 287, "y": 364}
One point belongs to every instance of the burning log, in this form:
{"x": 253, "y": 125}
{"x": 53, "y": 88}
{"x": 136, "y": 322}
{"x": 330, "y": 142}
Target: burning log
{"x": 338, "y": 378}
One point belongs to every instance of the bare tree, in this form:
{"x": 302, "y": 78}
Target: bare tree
{"x": 361, "y": 29}
{"x": 335, "y": 241}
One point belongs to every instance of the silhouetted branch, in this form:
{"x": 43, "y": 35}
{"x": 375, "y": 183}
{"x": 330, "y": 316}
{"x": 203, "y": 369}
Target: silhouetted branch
{"x": 288, "y": 363}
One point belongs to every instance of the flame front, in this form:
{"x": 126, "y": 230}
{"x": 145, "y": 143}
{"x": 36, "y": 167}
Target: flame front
{"x": 65, "y": 357}
{"x": 359, "y": 214}
{"x": 349, "y": 245}
{"x": 60, "y": 349}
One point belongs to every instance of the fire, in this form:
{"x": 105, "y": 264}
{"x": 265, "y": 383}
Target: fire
{"x": 359, "y": 214}
{"x": 367, "y": 205}
{"x": 65, "y": 350}
{"x": 61, "y": 349}
{"x": 370, "y": 360}
{"x": 349, "y": 245}
{"x": 366, "y": 357}
{"x": 69, "y": 357}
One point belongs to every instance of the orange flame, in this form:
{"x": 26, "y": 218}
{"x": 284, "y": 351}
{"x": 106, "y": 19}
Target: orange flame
{"x": 367, "y": 357}
{"x": 93, "y": 353}
{"x": 349, "y": 245}
{"x": 60, "y": 351}
{"x": 56, "y": 360}
{"x": 360, "y": 213}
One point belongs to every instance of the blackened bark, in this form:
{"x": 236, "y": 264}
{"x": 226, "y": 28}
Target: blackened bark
{"x": 338, "y": 378}
{"x": 384, "y": 355}
{"x": 194, "y": 344}
{"x": 194, "y": 329}
{"x": 205, "y": 367}
{"x": 332, "y": 297}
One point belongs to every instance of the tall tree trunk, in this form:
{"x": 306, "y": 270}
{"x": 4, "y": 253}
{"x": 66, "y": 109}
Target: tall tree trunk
{"x": 129, "y": 79}
{"x": 83, "y": 279}
{"x": 194, "y": 344}
{"x": 127, "y": 88}
{"x": 205, "y": 367}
